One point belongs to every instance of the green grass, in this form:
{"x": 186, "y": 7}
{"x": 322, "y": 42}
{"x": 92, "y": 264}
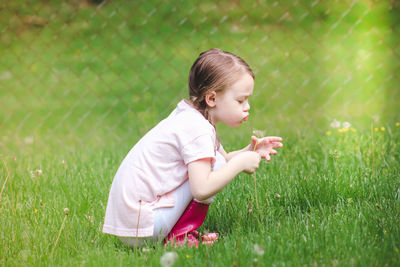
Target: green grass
{"x": 339, "y": 204}
{"x": 83, "y": 83}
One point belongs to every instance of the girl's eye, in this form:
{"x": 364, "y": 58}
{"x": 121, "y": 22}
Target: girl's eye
{"x": 240, "y": 101}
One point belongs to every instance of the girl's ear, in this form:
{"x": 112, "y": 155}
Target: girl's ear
{"x": 210, "y": 98}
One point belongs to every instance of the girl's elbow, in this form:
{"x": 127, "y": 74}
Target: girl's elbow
{"x": 199, "y": 195}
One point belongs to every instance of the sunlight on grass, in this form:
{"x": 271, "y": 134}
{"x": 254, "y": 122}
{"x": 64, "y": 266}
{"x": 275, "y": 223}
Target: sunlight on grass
{"x": 324, "y": 199}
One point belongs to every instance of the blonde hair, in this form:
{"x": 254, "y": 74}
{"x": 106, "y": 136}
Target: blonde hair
{"x": 214, "y": 70}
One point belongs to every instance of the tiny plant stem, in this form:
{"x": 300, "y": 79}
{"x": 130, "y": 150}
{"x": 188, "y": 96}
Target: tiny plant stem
{"x": 137, "y": 227}
{"x": 372, "y": 151}
{"x": 4, "y": 184}
{"x": 255, "y": 180}
{"x": 59, "y": 234}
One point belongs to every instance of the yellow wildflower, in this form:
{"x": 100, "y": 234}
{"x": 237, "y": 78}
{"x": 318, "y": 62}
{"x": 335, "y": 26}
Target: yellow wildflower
{"x": 328, "y": 133}
{"x": 383, "y": 129}
{"x": 397, "y": 124}
{"x": 376, "y": 129}
{"x": 353, "y": 129}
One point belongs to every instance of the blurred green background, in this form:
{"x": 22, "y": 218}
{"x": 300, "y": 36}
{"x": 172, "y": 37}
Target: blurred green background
{"x": 90, "y": 74}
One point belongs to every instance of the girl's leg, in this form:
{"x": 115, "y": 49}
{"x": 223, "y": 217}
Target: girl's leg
{"x": 166, "y": 218}
{"x": 192, "y": 218}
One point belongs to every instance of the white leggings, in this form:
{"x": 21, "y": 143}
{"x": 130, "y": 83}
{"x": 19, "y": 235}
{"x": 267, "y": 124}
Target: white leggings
{"x": 166, "y": 218}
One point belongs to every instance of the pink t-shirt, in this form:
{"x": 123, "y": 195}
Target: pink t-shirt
{"x": 154, "y": 168}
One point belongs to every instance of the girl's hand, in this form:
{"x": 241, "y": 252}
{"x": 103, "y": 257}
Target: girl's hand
{"x": 249, "y": 161}
{"x": 265, "y": 146}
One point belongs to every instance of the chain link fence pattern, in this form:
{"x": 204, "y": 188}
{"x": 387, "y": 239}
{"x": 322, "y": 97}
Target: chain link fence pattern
{"x": 91, "y": 73}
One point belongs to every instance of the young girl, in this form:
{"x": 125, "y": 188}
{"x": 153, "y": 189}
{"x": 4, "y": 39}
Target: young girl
{"x": 165, "y": 184}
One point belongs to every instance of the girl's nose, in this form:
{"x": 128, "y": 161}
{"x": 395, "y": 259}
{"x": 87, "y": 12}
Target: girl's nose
{"x": 247, "y": 106}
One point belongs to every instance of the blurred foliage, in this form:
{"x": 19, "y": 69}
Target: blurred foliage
{"x": 95, "y": 72}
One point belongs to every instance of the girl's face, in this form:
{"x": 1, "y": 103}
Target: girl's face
{"x": 231, "y": 106}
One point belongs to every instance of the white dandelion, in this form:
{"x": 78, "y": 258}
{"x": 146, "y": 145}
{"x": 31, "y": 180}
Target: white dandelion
{"x": 335, "y": 124}
{"x": 346, "y": 125}
{"x": 168, "y": 259}
{"x": 259, "y": 250}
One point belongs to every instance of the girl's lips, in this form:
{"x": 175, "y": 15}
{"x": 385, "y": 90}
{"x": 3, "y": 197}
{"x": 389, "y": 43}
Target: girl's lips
{"x": 246, "y": 118}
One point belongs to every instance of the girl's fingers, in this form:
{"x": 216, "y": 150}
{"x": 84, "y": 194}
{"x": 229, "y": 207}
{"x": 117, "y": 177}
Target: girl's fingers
{"x": 273, "y": 138}
{"x": 277, "y": 144}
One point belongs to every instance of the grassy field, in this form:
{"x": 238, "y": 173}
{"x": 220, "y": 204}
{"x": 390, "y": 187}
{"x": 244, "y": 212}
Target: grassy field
{"x": 338, "y": 204}
{"x": 81, "y": 83}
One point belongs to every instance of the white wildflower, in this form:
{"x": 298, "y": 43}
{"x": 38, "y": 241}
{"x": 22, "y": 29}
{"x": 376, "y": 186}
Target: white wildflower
{"x": 28, "y": 140}
{"x": 259, "y": 250}
{"x": 346, "y": 125}
{"x": 335, "y": 124}
{"x": 168, "y": 259}
{"x": 146, "y": 250}
{"x": 375, "y": 118}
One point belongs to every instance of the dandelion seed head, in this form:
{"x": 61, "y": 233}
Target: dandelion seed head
{"x": 38, "y": 172}
{"x": 145, "y": 250}
{"x": 259, "y": 133}
{"x": 346, "y": 124}
{"x": 28, "y": 140}
{"x": 259, "y": 250}
{"x": 66, "y": 211}
{"x": 168, "y": 259}
{"x": 335, "y": 124}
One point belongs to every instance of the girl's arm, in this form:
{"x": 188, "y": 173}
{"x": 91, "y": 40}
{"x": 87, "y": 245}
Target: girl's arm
{"x": 204, "y": 182}
{"x": 231, "y": 154}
